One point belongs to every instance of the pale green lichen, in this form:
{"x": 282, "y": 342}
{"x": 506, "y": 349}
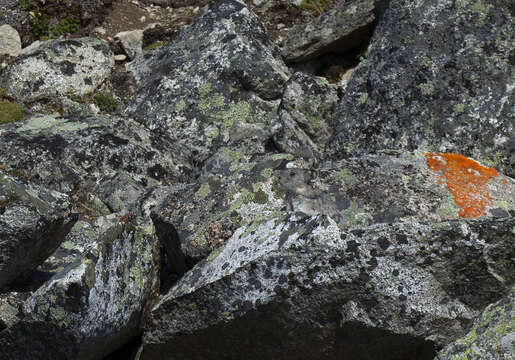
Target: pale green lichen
{"x": 203, "y": 191}
{"x": 447, "y": 209}
{"x": 240, "y": 111}
{"x": 427, "y": 88}
{"x": 362, "y": 99}
{"x": 354, "y": 215}
{"x": 180, "y": 106}
{"x": 459, "y": 108}
{"x": 425, "y": 62}
{"x": 345, "y": 176}
{"x": 204, "y": 89}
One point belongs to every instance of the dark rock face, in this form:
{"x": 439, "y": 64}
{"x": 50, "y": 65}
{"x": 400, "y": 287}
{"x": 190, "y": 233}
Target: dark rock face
{"x": 436, "y": 77}
{"x": 306, "y": 110}
{"x": 33, "y": 222}
{"x": 340, "y": 29}
{"x": 490, "y": 337}
{"x": 279, "y": 217}
{"x": 104, "y": 162}
{"x": 218, "y": 83}
{"x": 100, "y": 299}
{"x": 330, "y": 294}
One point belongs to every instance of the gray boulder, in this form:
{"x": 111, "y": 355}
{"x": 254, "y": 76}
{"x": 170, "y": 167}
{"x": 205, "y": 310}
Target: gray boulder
{"x": 104, "y": 163}
{"x": 491, "y": 336}
{"x": 100, "y": 299}
{"x": 304, "y": 289}
{"x": 10, "y": 43}
{"x": 217, "y": 84}
{"x": 342, "y": 28}
{"x": 193, "y": 220}
{"x": 58, "y": 68}
{"x": 33, "y": 222}
{"x": 306, "y": 110}
{"x": 437, "y": 78}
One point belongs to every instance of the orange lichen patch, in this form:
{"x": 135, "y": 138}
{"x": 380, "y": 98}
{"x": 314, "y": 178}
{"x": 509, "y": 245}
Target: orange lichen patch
{"x": 467, "y": 181}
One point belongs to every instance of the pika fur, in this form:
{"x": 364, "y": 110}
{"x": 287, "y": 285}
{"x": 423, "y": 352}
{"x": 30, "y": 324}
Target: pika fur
{"x": 301, "y": 196}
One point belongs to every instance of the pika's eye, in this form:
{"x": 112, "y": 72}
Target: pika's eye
{"x": 292, "y": 174}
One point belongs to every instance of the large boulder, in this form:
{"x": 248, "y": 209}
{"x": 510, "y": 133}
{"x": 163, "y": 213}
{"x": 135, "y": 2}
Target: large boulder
{"x": 436, "y": 77}
{"x": 491, "y": 336}
{"x": 217, "y": 84}
{"x": 105, "y": 163}
{"x": 33, "y": 222}
{"x": 58, "y": 68}
{"x": 192, "y": 220}
{"x": 304, "y": 289}
{"x": 348, "y": 25}
{"x": 98, "y": 301}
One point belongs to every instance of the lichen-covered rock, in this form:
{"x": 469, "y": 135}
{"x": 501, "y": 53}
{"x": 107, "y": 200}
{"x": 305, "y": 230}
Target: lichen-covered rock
{"x": 437, "y": 77}
{"x": 492, "y": 336}
{"x": 217, "y": 84}
{"x": 105, "y": 163}
{"x": 58, "y": 68}
{"x": 97, "y": 302}
{"x": 380, "y": 292}
{"x": 194, "y": 219}
{"x": 306, "y": 110}
{"x": 342, "y": 28}
{"x": 10, "y": 43}
{"x": 33, "y": 222}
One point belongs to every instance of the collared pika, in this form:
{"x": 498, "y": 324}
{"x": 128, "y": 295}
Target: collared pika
{"x": 301, "y": 196}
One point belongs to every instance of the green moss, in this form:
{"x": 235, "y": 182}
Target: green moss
{"x": 314, "y": 7}
{"x": 154, "y": 45}
{"x": 105, "y": 102}
{"x": 240, "y": 111}
{"x": 9, "y": 112}
{"x": 260, "y": 197}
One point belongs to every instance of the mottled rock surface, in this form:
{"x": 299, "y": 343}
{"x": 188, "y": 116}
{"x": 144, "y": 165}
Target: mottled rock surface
{"x": 58, "y": 68}
{"x": 33, "y": 222}
{"x": 105, "y": 163}
{"x": 492, "y": 336}
{"x": 326, "y": 293}
{"x": 436, "y": 77}
{"x": 306, "y": 110}
{"x": 97, "y": 302}
{"x": 217, "y": 84}
{"x": 195, "y": 219}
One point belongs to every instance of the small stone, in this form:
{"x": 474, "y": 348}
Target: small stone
{"x": 132, "y": 42}
{"x": 10, "y": 42}
{"x": 120, "y": 57}
{"x": 280, "y": 26}
{"x": 142, "y": 19}
{"x": 94, "y": 109}
{"x": 99, "y": 30}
